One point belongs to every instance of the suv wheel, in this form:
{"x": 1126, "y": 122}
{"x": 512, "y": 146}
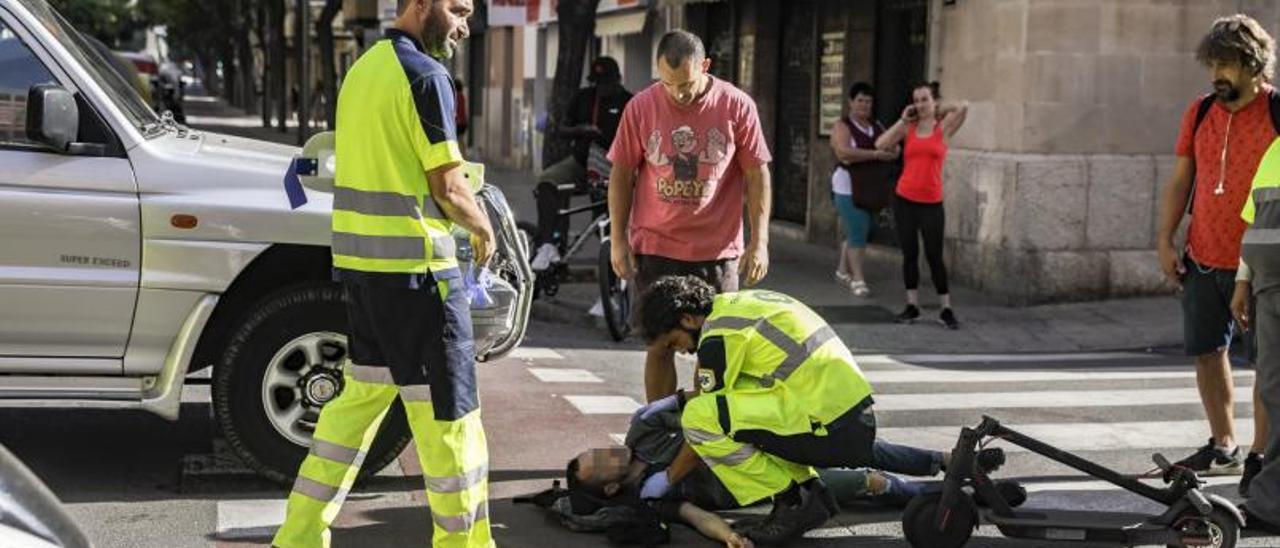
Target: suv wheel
{"x": 282, "y": 364}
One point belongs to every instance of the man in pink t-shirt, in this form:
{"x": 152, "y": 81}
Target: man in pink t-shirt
{"x": 687, "y": 150}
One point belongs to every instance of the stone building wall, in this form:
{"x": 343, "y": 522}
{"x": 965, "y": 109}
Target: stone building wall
{"x": 1052, "y": 185}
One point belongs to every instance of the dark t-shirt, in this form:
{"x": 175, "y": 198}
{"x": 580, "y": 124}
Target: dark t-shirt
{"x": 606, "y": 116}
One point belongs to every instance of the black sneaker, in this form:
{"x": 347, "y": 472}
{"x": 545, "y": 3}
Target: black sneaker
{"x": 788, "y": 521}
{"x": 909, "y": 314}
{"x": 948, "y": 319}
{"x": 1252, "y": 465}
{"x": 1211, "y": 461}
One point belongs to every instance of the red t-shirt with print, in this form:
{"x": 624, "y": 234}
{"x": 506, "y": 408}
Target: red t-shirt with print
{"x": 1242, "y": 137}
{"x": 690, "y": 162}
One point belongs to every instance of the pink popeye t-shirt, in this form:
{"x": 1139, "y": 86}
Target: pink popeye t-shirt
{"x": 690, "y": 160}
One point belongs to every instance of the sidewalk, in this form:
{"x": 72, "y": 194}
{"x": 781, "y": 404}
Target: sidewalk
{"x": 805, "y": 271}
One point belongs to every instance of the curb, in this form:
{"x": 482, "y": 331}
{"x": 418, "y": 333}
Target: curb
{"x": 564, "y": 312}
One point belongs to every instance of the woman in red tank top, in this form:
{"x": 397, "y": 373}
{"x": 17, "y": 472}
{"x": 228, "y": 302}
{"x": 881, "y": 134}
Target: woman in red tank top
{"x": 925, "y": 130}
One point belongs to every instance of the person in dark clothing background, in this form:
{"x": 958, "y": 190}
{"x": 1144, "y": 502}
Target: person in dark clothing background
{"x": 592, "y": 122}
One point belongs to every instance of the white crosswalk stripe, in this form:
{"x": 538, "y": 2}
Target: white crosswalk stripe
{"x": 1112, "y": 436}
{"x": 1043, "y": 399}
{"x": 1110, "y": 407}
{"x": 603, "y": 405}
{"x": 535, "y": 353}
{"x": 564, "y": 375}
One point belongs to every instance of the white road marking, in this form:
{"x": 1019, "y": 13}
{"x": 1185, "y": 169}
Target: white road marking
{"x": 1135, "y": 436}
{"x": 1007, "y": 358}
{"x": 1043, "y": 399}
{"x": 619, "y": 439}
{"x": 240, "y": 519}
{"x": 564, "y": 375}
{"x": 950, "y": 376}
{"x": 535, "y": 353}
{"x": 604, "y": 405}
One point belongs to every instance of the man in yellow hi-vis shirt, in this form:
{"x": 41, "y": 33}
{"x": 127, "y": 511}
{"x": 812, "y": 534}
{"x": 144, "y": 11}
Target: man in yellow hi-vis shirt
{"x": 1259, "y": 284}
{"x": 398, "y": 191}
{"x": 779, "y": 394}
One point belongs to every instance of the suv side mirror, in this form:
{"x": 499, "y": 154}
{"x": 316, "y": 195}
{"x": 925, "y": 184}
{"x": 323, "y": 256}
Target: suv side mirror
{"x": 53, "y": 118}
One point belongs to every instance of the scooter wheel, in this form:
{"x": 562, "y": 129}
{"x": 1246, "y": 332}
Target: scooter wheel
{"x": 921, "y": 529}
{"x": 1220, "y": 527}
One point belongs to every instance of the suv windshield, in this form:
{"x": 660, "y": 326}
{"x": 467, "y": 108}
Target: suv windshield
{"x": 124, "y": 95}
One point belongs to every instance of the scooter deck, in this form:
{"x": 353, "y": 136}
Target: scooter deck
{"x": 1081, "y": 526}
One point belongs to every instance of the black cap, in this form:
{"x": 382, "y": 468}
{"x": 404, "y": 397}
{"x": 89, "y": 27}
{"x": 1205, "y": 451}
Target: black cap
{"x": 604, "y": 70}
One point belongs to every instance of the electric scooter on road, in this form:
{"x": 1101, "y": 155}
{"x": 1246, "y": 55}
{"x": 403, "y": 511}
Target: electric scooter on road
{"x": 948, "y": 518}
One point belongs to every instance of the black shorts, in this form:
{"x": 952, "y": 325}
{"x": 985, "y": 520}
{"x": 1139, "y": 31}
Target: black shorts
{"x": 1207, "y": 325}
{"x": 721, "y": 274}
{"x": 422, "y": 332}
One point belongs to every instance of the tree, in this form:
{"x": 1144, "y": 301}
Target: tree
{"x": 276, "y": 60}
{"x": 328, "y": 72}
{"x": 577, "y": 23}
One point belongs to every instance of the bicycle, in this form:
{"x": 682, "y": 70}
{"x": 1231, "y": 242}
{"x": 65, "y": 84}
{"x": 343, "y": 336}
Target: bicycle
{"x": 614, "y": 296}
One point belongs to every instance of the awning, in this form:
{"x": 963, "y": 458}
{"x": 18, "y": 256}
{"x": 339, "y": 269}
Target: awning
{"x": 678, "y": 3}
{"x": 615, "y": 24}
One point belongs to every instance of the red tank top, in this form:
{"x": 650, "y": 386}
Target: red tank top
{"x": 922, "y": 158}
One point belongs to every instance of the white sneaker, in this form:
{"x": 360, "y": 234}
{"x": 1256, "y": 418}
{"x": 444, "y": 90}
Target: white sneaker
{"x": 859, "y": 288}
{"x": 546, "y": 256}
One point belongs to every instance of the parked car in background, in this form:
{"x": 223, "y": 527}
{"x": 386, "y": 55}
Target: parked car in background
{"x": 123, "y": 66}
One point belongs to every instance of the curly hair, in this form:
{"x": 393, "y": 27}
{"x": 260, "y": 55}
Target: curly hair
{"x": 1239, "y": 38}
{"x": 668, "y": 298}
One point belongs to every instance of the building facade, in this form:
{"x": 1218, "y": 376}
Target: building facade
{"x": 1052, "y": 186}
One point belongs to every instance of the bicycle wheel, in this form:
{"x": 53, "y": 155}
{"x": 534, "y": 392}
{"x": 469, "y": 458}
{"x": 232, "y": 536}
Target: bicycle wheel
{"x": 613, "y": 296}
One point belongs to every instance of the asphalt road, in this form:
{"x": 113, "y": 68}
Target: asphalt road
{"x": 136, "y": 481}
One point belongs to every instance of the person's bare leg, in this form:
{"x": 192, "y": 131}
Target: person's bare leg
{"x": 843, "y": 267}
{"x": 856, "y": 256}
{"x": 946, "y": 300}
{"x": 659, "y": 372}
{"x": 913, "y": 297}
{"x": 1261, "y": 423}
{"x": 1213, "y": 378}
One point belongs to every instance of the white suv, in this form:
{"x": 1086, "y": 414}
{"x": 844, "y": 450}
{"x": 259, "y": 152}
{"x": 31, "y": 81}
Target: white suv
{"x": 134, "y": 251}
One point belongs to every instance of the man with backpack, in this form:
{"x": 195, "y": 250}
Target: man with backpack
{"x": 1223, "y": 137}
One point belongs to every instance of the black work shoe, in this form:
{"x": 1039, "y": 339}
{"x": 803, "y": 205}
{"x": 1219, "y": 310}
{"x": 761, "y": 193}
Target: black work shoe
{"x": 908, "y": 315}
{"x": 1256, "y": 525}
{"x": 1211, "y": 461}
{"x": 1252, "y": 465}
{"x": 788, "y": 521}
{"x": 948, "y": 319}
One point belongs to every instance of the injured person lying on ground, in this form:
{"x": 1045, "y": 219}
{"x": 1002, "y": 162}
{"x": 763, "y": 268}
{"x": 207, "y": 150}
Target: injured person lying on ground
{"x": 609, "y": 487}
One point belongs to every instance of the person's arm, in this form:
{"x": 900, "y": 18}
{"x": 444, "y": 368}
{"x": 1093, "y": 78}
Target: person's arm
{"x": 953, "y": 116}
{"x": 712, "y": 526}
{"x": 450, "y": 189}
{"x": 1173, "y": 203}
{"x": 1240, "y": 297}
{"x": 755, "y": 259}
{"x": 846, "y": 154}
{"x": 622, "y": 181}
{"x": 898, "y": 131}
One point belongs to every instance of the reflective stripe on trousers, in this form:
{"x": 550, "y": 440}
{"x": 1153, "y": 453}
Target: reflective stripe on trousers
{"x": 453, "y": 456}
{"x": 749, "y": 474}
